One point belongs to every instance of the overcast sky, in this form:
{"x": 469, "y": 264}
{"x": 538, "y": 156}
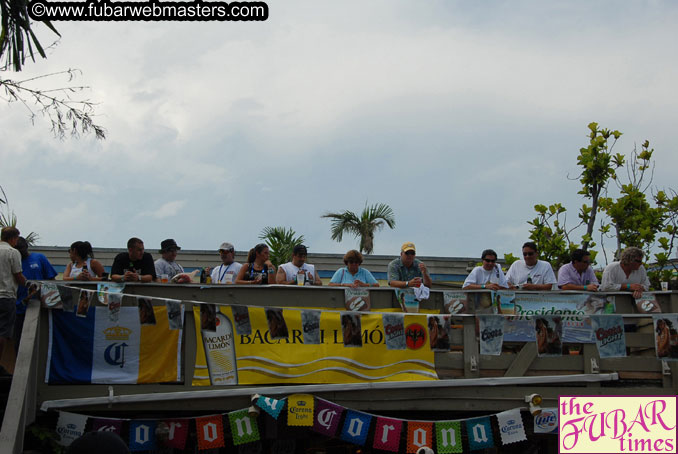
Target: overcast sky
{"x": 461, "y": 115}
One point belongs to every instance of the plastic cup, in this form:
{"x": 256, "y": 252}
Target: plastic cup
{"x": 300, "y": 278}
{"x": 665, "y": 286}
{"x": 228, "y": 278}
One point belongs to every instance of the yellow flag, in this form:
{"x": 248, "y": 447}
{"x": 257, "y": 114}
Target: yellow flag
{"x": 300, "y": 410}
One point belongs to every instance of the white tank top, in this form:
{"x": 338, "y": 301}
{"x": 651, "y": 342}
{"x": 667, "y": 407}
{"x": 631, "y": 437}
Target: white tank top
{"x": 291, "y": 270}
{"x": 75, "y": 270}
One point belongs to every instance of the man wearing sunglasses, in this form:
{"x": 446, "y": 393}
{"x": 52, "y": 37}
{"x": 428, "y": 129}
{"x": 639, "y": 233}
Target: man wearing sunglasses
{"x": 578, "y": 275}
{"x": 408, "y": 271}
{"x": 627, "y": 275}
{"x": 488, "y": 275}
{"x": 531, "y": 273}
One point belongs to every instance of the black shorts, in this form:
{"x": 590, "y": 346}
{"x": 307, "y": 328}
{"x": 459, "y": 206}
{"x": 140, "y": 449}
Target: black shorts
{"x": 7, "y": 316}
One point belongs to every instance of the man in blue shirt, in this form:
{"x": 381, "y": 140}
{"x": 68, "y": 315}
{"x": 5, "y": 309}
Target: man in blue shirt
{"x": 35, "y": 267}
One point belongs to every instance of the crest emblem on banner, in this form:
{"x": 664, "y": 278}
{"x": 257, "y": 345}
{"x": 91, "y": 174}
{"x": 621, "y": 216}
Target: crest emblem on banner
{"x": 327, "y": 416}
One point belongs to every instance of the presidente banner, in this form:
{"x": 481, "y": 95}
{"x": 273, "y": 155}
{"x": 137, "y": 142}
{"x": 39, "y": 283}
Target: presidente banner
{"x": 258, "y": 358}
{"x": 572, "y": 307}
{"x": 95, "y": 349}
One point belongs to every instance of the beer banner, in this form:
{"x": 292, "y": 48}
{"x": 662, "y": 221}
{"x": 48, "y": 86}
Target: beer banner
{"x": 546, "y": 422}
{"x": 357, "y": 299}
{"x": 310, "y": 325}
{"x": 104, "y": 289}
{"x": 142, "y": 435}
{"x": 549, "y": 334}
{"x": 356, "y": 427}
{"x": 70, "y": 426}
{"x": 271, "y": 406}
{"x": 66, "y": 296}
{"x": 455, "y": 302}
{"x": 438, "y": 327}
{"x": 419, "y": 434}
{"x": 277, "y": 327}
{"x": 241, "y": 317}
{"x": 407, "y": 300}
{"x": 572, "y": 307}
{"x": 107, "y": 425}
{"x": 609, "y": 332}
{"x": 387, "y": 434}
{"x": 491, "y": 334}
{"x": 479, "y": 432}
{"x": 83, "y": 302}
{"x": 259, "y": 359}
{"x": 93, "y": 349}
{"x": 50, "y": 295}
{"x": 504, "y": 302}
{"x": 666, "y": 336}
{"x": 244, "y": 427}
{"x": 511, "y": 426}
{"x": 146, "y": 312}
{"x": 327, "y": 417}
{"x": 394, "y": 331}
{"x": 177, "y": 432}
{"x": 448, "y": 437}
{"x": 647, "y": 304}
{"x": 210, "y": 432}
{"x": 175, "y": 314}
{"x": 114, "y": 305}
{"x": 300, "y": 410}
{"x": 351, "y": 329}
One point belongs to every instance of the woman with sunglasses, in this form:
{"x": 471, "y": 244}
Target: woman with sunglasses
{"x": 488, "y": 275}
{"x": 353, "y": 275}
{"x": 259, "y": 270}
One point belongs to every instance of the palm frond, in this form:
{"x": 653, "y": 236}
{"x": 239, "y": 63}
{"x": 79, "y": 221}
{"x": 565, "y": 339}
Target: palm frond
{"x": 280, "y": 242}
{"x": 372, "y": 218}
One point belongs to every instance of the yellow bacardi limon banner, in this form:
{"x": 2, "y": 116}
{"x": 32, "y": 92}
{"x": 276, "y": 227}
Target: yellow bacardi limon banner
{"x": 258, "y": 359}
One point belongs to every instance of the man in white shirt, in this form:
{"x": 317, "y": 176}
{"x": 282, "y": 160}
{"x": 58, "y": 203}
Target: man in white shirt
{"x": 289, "y": 273}
{"x": 229, "y": 268}
{"x": 626, "y": 275}
{"x": 487, "y": 276}
{"x": 531, "y": 273}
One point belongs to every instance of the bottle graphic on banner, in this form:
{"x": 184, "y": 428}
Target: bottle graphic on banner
{"x": 220, "y": 352}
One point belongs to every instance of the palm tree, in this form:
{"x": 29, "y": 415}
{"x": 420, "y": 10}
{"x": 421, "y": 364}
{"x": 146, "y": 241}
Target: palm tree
{"x": 8, "y": 219}
{"x": 372, "y": 218}
{"x": 281, "y": 242}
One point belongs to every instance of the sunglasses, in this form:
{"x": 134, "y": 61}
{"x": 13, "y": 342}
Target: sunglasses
{"x": 409, "y": 253}
{"x": 490, "y": 260}
{"x": 528, "y": 254}
{"x": 637, "y": 261}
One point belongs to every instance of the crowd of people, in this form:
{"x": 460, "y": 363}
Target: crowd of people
{"x": 18, "y": 264}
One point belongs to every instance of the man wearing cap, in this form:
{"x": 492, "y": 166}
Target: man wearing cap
{"x": 229, "y": 268}
{"x": 135, "y": 265}
{"x": 408, "y": 271}
{"x": 167, "y": 264}
{"x": 290, "y": 272}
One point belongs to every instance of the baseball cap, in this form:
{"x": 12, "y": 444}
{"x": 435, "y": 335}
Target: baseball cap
{"x": 407, "y": 247}
{"x": 225, "y": 246}
{"x": 299, "y": 249}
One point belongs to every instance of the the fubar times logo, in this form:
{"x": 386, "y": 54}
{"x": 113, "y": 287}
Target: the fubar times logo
{"x": 617, "y": 424}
